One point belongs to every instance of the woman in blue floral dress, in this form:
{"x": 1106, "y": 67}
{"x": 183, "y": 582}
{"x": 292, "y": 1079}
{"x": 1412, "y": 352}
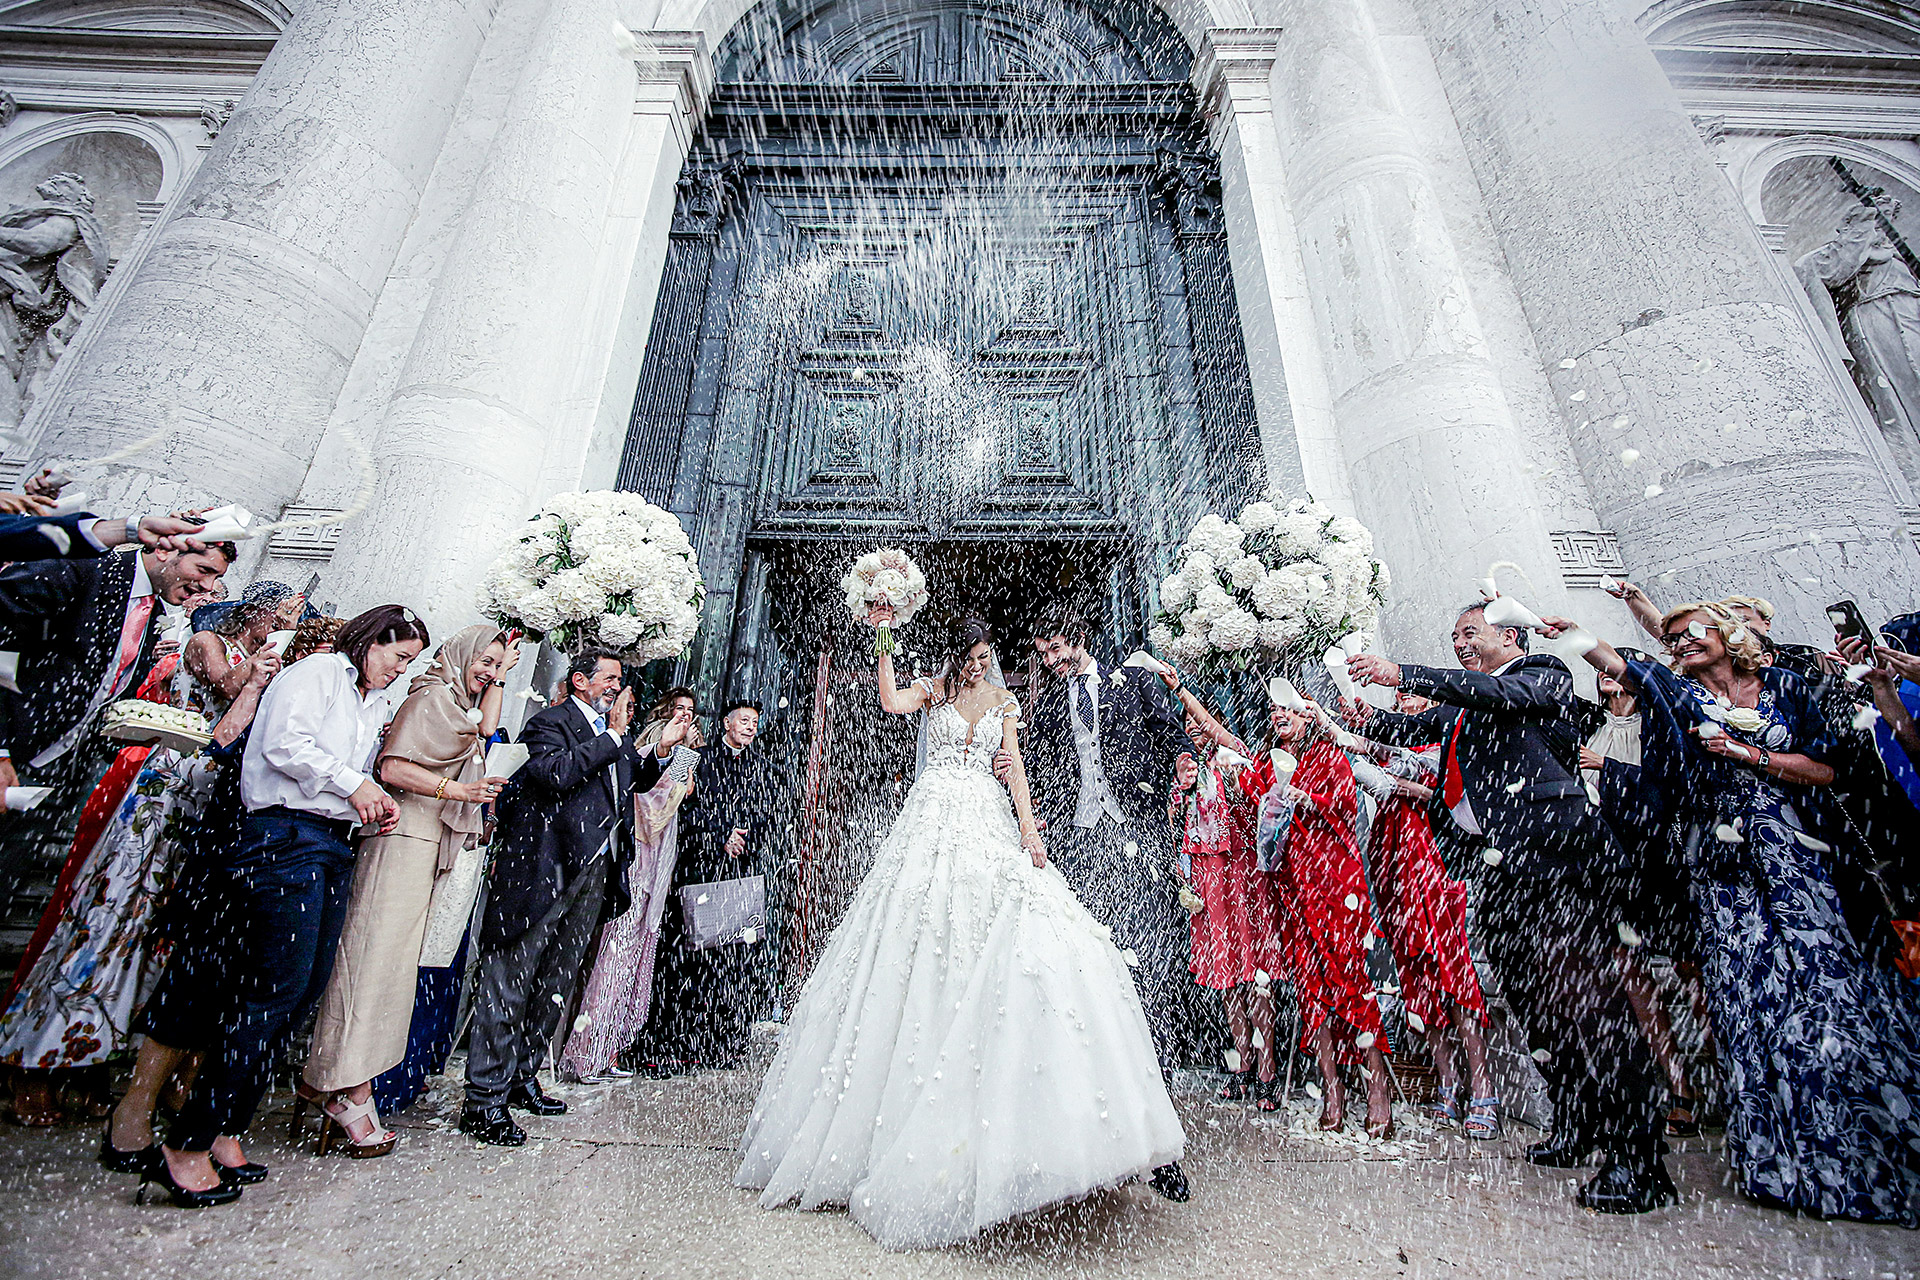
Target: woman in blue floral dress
{"x": 1820, "y": 1047}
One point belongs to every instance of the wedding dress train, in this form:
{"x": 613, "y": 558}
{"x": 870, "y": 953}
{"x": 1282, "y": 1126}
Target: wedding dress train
{"x": 970, "y": 1046}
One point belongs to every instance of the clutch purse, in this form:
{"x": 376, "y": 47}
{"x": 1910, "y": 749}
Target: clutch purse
{"x": 725, "y": 911}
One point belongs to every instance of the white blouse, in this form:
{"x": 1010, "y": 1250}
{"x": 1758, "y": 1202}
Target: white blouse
{"x": 313, "y": 739}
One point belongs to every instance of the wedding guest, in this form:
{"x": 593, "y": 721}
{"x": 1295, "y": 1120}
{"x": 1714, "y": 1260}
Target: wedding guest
{"x": 1325, "y": 915}
{"x": 217, "y": 660}
{"x": 194, "y": 921}
{"x": 1658, "y": 917}
{"x": 89, "y": 962}
{"x": 1236, "y": 947}
{"x": 1821, "y": 1048}
{"x": 304, "y": 783}
{"x": 619, "y": 992}
{"x": 431, "y": 760}
{"x": 560, "y": 860}
{"x": 704, "y": 998}
{"x": 203, "y": 922}
{"x": 1551, "y": 890}
{"x": 1424, "y": 917}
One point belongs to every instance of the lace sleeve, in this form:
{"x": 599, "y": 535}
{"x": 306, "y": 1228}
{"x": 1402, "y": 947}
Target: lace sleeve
{"x": 931, "y": 687}
{"x": 1010, "y": 709}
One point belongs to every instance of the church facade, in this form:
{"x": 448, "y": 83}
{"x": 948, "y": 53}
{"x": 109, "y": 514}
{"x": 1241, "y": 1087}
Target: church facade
{"x": 1586, "y": 288}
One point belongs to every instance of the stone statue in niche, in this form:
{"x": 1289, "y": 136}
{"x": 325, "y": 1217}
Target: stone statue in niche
{"x": 1870, "y": 302}
{"x": 53, "y": 260}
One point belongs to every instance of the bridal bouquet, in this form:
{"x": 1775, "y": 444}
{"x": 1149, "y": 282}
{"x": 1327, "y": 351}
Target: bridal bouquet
{"x": 887, "y": 576}
{"x": 1280, "y": 580}
{"x": 600, "y": 569}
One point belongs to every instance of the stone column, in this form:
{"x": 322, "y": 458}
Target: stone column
{"x": 508, "y": 380}
{"x": 1663, "y": 326}
{"x": 1429, "y": 443}
{"x": 244, "y": 315}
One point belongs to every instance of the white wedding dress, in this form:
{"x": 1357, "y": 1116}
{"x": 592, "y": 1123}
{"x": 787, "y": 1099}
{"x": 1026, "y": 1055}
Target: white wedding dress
{"x": 970, "y": 1047}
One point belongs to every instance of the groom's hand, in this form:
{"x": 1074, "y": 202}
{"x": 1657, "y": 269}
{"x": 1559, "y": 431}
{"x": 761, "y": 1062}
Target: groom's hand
{"x": 1002, "y": 764}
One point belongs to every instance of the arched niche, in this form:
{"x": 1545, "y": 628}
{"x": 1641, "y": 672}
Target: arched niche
{"x": 1807, "y": 196}
{"x": 1838, "y": 26}
{"x": 122, "y": 170}
{"x": 959, "y": 42}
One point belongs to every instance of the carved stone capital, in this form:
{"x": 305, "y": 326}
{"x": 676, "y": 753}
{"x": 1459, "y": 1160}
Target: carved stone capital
{"x": 675, "y": 74}
{"x": 1190, "y": 179}
{"x": 1233, "y": 71}
{"x": 707, "y": 185}
{"x": 9, "y": 108}
{"x": 214, "y": 116}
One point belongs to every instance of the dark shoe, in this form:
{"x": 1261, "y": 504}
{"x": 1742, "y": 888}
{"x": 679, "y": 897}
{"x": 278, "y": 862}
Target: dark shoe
{"x": 1239, "y": 1087}
{"x": 1682, "y": 1119}
{"x": 493, "y": 1126}
{"x": 1562, "y": 1151}
{"x": 1266, "y": 1095}
{"x": 1623, "y": 1186}
{"x": 119, "y": 1161}
{"x": 241, "y": 1175}
{"x": 223, "y": 1193}
{"x": 528, "y": 1097}
{"x": 1171, "y": 1183}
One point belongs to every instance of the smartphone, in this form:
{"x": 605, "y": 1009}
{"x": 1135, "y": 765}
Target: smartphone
{"x": 1848, "y": 623}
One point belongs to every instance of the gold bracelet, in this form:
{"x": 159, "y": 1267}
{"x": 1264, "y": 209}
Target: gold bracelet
{"x": 440, "y": 792}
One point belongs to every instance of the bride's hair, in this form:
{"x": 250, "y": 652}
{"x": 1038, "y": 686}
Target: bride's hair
{"x": 960, "y": 639}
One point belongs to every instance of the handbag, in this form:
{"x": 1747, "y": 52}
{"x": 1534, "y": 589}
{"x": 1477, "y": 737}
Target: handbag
{"x": 725, "y": 911}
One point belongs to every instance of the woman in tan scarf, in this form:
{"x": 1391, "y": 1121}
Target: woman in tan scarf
{"x": 432, "y": 759}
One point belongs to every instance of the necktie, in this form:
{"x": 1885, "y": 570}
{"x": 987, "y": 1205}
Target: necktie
{"x": 1084, "y": 697}
{"x": 1454, "y": 790}
{"x": 132, "y": 632}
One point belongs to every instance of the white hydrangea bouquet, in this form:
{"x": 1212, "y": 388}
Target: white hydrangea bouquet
{"x": 600, "y": 569}
{"x": 1282, "y": 579}
{"x": 890, "y": 577}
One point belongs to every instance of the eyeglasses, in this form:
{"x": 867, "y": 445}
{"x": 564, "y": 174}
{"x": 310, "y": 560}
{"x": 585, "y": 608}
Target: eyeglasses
{"x": 1693, "y": 630}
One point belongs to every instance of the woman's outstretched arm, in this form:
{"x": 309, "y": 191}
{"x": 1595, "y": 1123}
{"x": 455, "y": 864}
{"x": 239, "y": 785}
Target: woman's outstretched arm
{"x": 1017, "y": 783}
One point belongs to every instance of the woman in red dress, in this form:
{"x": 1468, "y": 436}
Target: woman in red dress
{"x": 1235, "y": 950}
{"x": 1326, "y": 920}
{"x": 1425, "y": 913}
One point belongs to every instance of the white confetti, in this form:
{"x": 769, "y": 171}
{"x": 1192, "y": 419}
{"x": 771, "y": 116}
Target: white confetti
{"x": 1854, "y": 673}
{"x": 1628, "y": 934}
{"x": 1232, "y": 1057}
{"x": 749, "y": 935}
{"x": 1131, "y": 849}
{"x": 1798, "y": 415}
{"x": 1727, "y": 835}
{"x": 1261, "y": 978}
{"x": 1364, "y": 1040}
{"x": 1652, "y": 491}
{"x": 1568, "y": 363}
{"x": 1132, "y": 958}
{"x": 1865, "y": 717}
{"x": 783, "y": 703}
{"x": 1514, "y": 788}
{"x": 1629, "y": 456}
{"x": 582, "y": 1022}
{"x": 1258, "y": 1041}
{"x": 700, "y": 901}
{"x": 1353, "y": 902}
{"x": 1577, "y": 396}
{"x": 1491, "y": 857}
{"x": 1147, "y": 787}
{"x": 1416, "y": 1022}
{"x": 1703, "y": 364}
{"x": 1118, "y": 677}
{"x": 558, "y": 999}
{"x": 1809, "y": 582}
{"x": 1621, "y": 423}
{"x": 1818, "y": 846}
{"x": 1542, "y": 1057}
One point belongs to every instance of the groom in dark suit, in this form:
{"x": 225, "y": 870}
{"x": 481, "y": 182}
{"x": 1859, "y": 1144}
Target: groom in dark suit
{"x": 1101, "y": 744}
{"x": 1552, "y": 899}
{"x": 560, "y": 860}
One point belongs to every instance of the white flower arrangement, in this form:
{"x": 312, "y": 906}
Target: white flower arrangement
{"x": 600, "y": 569}
{"x": 1282, "y": 579}
{"x": 885, "y": 577}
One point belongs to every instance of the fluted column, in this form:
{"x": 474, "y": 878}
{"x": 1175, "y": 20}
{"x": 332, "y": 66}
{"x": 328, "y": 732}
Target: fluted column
{"x": 243, "y": 318}
{"x": 517, "y": 383}
{"x": 1664, "y": 328}
{"x": 1415, "y": 414}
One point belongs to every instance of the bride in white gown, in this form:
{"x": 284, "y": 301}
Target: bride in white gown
{"x": 970, "y": 1046}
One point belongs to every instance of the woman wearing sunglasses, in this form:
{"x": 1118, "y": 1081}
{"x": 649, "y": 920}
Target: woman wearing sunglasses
{"x": 1821, "y": 1048}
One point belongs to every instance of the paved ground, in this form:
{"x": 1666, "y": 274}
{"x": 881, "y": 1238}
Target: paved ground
{"x": 635, "y": 1182}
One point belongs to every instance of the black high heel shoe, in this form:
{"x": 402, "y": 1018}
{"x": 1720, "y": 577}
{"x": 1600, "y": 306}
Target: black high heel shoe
{"x": 241, "y": 1175}
{"x": 112, "y": 1157}
{"x": 223, "y": 1192}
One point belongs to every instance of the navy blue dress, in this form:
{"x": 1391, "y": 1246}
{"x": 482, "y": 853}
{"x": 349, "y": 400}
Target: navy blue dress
{"x": 1821, "y": 1048}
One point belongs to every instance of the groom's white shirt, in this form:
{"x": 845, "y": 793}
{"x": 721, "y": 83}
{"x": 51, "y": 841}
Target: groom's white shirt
{"x": 1096, "y": 797}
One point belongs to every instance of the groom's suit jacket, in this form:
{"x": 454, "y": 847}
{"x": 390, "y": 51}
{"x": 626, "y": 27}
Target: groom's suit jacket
{"x": 1140, "y": 738}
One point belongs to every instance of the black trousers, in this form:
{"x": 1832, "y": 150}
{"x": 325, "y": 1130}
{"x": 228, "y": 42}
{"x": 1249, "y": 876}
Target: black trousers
{"x": 524, "y": 985}
{"x": 1550, "y": 917}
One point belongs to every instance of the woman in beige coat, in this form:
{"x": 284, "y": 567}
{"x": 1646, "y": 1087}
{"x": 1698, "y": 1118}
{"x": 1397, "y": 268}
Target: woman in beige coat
{"x": 432, "y": 760}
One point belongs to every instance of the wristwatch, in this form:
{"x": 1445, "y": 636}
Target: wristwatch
{"x": 133, "y": 528}
{"x": 1765, "y": 757}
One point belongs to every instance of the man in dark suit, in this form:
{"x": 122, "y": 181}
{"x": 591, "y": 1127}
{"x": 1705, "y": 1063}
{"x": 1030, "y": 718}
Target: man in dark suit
{"x": 705, "y": 999}
{"x": 1553, "y": 891}
{"x": 560, "y": 861}
{"x": 1101, "y": 744}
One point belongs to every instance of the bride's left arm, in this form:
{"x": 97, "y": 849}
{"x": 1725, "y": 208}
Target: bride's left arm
{"x": 1017, "y": 783}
